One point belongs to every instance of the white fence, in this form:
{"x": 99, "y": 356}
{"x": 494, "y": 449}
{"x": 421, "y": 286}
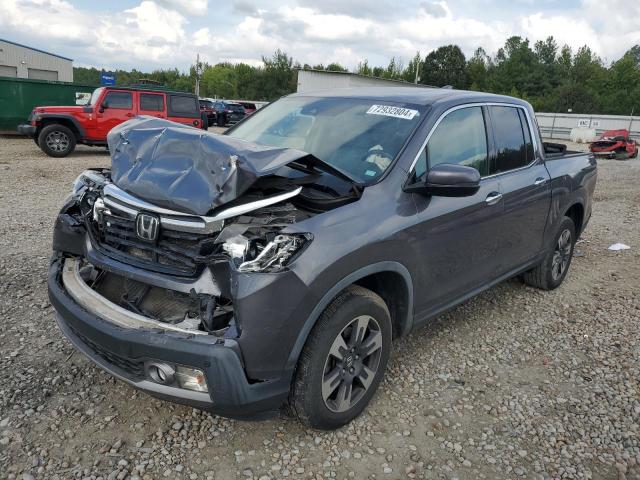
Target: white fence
{"x": 559, "y": 125}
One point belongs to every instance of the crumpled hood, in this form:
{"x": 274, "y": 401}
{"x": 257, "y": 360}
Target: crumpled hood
{"x": 182, "y": 168}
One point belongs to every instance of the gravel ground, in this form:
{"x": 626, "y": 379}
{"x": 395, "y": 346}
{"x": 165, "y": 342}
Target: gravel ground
{"x": 516, "y": 383}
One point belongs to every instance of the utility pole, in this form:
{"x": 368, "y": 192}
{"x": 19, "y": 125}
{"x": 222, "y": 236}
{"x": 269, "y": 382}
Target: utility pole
{"x": 197, "y": 75}
{"x": 417, "y": 68}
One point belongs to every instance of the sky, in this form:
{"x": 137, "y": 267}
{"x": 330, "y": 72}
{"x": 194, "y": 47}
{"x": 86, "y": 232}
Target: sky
{"x": 150, "y": 34}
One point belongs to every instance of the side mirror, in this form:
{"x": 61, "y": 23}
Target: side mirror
{"x": 448, "y": 180}
{"x": 103, "y": 106}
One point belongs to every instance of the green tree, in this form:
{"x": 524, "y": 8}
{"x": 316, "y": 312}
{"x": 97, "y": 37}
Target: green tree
{"x": 363, "y": 68}
{"x": 409, "y": 73}
{"x": 336, "y": 67}
{"x": 445, "y": 66}
{"x": 622, "y": 86}
{"x": 477, "y": 70}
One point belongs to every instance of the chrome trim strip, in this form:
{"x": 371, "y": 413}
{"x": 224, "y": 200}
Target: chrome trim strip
{"x": 95, "y": 303}
{"x": 532, "y": 133}
{"x": 174, "y": 220}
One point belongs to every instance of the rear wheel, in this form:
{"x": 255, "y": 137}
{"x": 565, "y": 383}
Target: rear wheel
{"x": 553, "y": 269}
{"x": 57, "y": 140}
{"x": 343, "y": 360}
{"x": 222, "y": 120}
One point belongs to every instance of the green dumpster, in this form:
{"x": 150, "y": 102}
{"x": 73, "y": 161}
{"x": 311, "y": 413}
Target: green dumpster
{"x": 18, "y": 96}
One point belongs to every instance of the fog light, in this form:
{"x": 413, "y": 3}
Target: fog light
{"x": 191, "y": 379}
{"x": 161, "y": 373}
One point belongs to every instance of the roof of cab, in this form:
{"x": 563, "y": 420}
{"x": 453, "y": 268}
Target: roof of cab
{"x": 418, "y": 96}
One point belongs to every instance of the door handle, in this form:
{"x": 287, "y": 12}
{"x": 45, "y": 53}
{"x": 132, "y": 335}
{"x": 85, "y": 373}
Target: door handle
{"x": 540, "y": 181}
{"x": 129, "y": 114}
{"x": 493, "y": 198}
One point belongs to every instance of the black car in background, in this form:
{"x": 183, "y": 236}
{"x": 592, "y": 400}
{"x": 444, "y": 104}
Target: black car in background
{"x": 228, "y": 112}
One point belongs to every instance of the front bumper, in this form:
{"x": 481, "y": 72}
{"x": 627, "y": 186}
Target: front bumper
{"x": 26, "y": 129}
{"x": 123, "y": 352}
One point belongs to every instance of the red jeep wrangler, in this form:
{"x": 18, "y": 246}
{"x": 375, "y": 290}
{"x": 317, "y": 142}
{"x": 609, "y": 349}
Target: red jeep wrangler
{"x": 57, "y": 130}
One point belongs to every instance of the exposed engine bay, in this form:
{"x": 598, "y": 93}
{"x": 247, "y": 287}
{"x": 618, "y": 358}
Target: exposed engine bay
{"x": 207, "y": 250}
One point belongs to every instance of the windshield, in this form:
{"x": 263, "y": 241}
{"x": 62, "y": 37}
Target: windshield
{"x": 358, "y": 136}
{"x": 95, "y": 95}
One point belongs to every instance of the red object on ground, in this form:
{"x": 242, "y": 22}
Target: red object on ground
{"x": 614, "y": 143}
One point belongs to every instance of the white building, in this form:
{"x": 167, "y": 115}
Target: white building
{"x": 20, "y": 61}
{"x": 309, "y": 80}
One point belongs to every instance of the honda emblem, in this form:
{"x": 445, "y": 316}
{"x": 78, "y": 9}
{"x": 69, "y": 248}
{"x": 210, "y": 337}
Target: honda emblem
{"x": 147, "y": 227}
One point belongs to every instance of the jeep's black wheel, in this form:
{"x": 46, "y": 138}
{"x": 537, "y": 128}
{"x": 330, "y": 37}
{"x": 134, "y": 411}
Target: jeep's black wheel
{"x": 553, "y": 269}
{"x": 57, "y": 140}
{"x": 343, "y": 361}
{"x": 221, "y": 120}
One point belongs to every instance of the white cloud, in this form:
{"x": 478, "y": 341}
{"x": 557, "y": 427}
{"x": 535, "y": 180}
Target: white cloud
{"x": 190, "y": 7}
{"x": 168, "y": 33}
{"x": 574, "y": 32}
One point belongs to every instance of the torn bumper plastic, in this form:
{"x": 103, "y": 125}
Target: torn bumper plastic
{"x": 124, "y": 352}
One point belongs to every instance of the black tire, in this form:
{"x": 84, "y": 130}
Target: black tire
{"x": 221, "y": 120}
{"x": 635, "y": 154}
{"x": 354, "y": 307}
{"x": 57, "y": 140}
{"x": 549, "y": 274}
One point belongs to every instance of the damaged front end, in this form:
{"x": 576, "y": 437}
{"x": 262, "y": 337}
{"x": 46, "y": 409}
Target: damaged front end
{"x": 173, "y": 268}
{"x": 139, "y": 255}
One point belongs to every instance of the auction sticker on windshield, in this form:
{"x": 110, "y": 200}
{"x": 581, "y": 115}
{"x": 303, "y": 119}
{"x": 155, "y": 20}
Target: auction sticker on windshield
{"x": 389, "y": 111}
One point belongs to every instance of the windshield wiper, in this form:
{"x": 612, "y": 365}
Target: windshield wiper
{"x": 310, "y": 163}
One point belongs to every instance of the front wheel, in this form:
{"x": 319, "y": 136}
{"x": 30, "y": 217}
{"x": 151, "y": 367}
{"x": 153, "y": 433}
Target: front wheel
{"x": 57, "y": 140}
{"x": 343, "y": 361}
{"x": 553, "y": 269}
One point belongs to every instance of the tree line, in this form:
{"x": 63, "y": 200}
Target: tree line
{"x": 550, "y": 77}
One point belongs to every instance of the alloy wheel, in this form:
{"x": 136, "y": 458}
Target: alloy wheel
{"x": 352, "y": 363}
{"x": 561, "y": 255}
{"x": 57, "y": 141}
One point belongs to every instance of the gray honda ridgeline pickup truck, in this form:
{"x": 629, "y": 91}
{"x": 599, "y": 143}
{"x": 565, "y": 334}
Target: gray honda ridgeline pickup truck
{"x": 271, "y": 267}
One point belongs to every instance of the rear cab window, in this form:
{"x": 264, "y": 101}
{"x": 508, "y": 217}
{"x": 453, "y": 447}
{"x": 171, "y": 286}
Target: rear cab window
{"x": 512, "y": 139}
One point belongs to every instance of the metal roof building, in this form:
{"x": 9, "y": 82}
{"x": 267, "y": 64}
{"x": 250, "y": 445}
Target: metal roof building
{"x": 20, "y": 61}
{"x": 309, "y": 80}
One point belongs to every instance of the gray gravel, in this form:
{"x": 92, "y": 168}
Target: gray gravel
{"x": 516, "y": 383}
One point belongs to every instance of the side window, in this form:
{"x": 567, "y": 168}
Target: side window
{"x": 119, "y": 100}
{"x": 460, "y": 138}
{"x": 511, "y": 150}
{"x": 184, "y": 106}
{"x": 528, "y": 143}
{"x": 151, "y": 102}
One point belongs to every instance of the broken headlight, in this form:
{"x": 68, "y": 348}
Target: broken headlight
{"x": 260, "y": 255}
{"x": 87, "y": 179}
